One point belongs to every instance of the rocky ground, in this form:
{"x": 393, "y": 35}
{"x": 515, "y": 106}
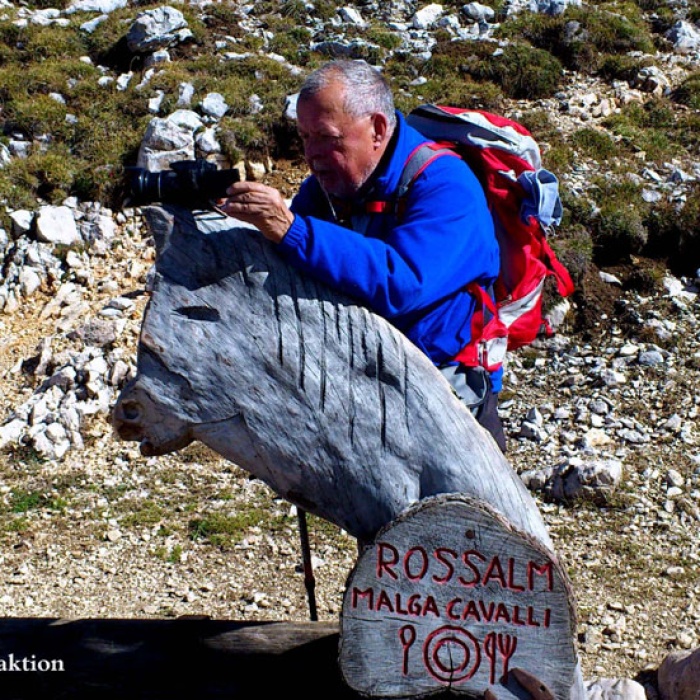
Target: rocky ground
{"x": 105, "y": 532}
{"x": 602, "y": 417}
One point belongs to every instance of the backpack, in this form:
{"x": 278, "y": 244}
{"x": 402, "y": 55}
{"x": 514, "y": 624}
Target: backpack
{"x": 524, "y": 201}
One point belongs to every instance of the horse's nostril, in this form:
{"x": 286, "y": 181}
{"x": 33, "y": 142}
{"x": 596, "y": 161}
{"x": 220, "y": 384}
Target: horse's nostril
{"x": 130, "y": 411}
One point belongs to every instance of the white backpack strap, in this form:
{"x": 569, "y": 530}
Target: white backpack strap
{"x": 475, "y": 128}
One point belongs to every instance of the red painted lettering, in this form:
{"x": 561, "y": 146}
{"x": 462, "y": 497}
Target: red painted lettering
{"x": 384, "y": 602}
{"x": 441, "y": 554}
{"x": 487, "y": 612}
{"x": 516, "y": 616}
{"x": 430, "y": 607}
{"x": 530, "y": 619}
{"x": 502, "y": 613}
{"x": 449, "y": 608}
{"x": 358, "y": 595}
{"x": 398, "y": 607}
{"x": 471, "y": 611}
{"x": 495, "y": 571}
{"x": 422, "y": 566}
{"x": 547, "y": 617}
{"x": 545, "y": 569}
{"x": 385, "y": 563}
{"x": 477, "y": 575}
{"x": 414, "y": 604}
{"x": 511, "y": 584}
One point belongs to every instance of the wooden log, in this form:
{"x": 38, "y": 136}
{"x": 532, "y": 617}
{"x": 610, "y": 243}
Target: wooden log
{"x": 451, "y": 596}
{"x": 323, "y": 400}
{"x": 326, "y": 402}
{"x": 202, "y": 659}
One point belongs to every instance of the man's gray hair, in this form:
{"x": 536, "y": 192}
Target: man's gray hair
{"x": 366, "y": 90}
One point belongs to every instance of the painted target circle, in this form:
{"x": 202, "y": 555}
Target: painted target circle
{"x": 451, "y": 654}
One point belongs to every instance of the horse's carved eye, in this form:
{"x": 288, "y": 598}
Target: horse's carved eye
{"x": 199, "y": 313}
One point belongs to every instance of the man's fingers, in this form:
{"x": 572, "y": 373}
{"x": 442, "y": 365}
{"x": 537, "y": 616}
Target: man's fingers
{"x": 246, "y": 186}
{"x": 537, "y": 689}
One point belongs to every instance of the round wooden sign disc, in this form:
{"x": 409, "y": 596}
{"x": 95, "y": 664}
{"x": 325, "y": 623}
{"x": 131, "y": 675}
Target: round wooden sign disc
{"x": 451, "y": 596}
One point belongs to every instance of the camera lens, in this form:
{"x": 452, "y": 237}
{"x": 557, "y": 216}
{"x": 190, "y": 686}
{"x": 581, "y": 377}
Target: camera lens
{"x": 153, "y": 186}
{"x": 190, "y": 183}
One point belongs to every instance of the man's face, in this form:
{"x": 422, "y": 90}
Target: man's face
{"x": 341, "y": 151}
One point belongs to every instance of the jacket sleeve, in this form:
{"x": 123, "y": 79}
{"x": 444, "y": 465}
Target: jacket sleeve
{"x": 443, "y": 241}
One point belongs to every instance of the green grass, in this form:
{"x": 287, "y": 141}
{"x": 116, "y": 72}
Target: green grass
{"x": 222, "y": 529}
{"x": 22, "y": 501}
{"x": 97, "y": 130}
{"x": 172, "y": 555}
{"x": 141, "y": 514}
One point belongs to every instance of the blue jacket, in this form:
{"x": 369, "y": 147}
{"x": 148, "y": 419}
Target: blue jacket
{"x": 411, "y": 271}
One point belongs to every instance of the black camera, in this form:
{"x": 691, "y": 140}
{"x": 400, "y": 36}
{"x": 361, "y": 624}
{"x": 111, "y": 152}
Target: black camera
{"x": 188, "y": 183}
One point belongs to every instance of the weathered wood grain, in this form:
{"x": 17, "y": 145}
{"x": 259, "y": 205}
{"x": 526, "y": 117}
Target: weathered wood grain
{"x": 144, "y": 659}
{"x": 326, "y": 402}
{"x": 323, "y": 400}
{"x": 451, "y": 596}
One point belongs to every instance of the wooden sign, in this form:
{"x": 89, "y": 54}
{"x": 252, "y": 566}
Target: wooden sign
{"x": 451, "y": 596}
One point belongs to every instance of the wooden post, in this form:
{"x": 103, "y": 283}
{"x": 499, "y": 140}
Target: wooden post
{"x": 451, "y": 596}
{"x": 309, "y": 580}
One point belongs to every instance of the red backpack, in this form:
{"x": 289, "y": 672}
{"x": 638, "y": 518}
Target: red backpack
{"x": 525, "y": 205}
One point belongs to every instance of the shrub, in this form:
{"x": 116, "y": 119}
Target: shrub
{"x": 386, "y": 39}
{"x": 674, "y": 232}
{"x": 557, "y": 154}
{"x": 593, "y": 143}
{"x": 574, "y": 248}
{"x": 224, "y": 16}
{"x": 451, "y": 58}
{"x": 618, "y": 232}
{"x": 621, "y": 67}
{"x": 42, "y": 43}
{"x": 241, "y": 137}
{"x": 650, "y": 127}
{"x": 519, "y": 70}
{"x": 294, "y": 9}
{"x": 48, "y": 174}
{"x": 290, "y": 43}
{"x": 559, "y": 158}
{"x": 581, "y": 37}
{"x": 461, "y": 92}
{"x": 47, "y": 4}
{"x": 688, "y": 92}
{"x": 615, "y": 32}
{"x": 107, "y": 43}
{"x": 526, "y": 72}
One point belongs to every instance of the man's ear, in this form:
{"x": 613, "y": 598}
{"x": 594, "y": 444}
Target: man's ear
{"x": 380, "y": 129}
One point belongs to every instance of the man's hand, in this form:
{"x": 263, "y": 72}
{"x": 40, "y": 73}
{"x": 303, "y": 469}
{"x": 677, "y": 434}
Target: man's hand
{"x": 260, "y": 205}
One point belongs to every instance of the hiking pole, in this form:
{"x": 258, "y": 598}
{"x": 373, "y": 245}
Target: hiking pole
{"x": 309, "y": 580}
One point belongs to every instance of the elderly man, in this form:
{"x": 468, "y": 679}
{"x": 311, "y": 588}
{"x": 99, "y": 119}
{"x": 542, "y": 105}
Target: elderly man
{"x": 409, "y": 264}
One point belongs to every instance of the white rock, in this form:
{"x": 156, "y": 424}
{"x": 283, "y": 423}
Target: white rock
{"x": 427, "y": 16}
{"x": 22, "y": 220}
{"x": 102, "y": 6}
{"x": 214, "y": 105}
{"x": 615, "y": 689}
{"x": 351, "y": 16}
{"x": 29, "y": 281}
{"x": 610, "y": 279}
{"x": 56, "y": 225}
{"x": 11, "y": 432}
